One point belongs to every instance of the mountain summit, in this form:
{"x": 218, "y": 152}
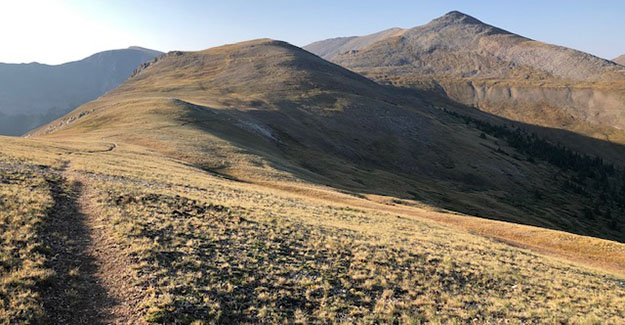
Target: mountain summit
{"x": 458, "y": 45}
{"x": 459, "y": 18}
{"x": 480, "y": 65}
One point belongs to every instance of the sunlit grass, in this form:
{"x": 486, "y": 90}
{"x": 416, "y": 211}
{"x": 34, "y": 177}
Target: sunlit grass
{"x": 24, "y": 202}
{"x": 206, "y": 249}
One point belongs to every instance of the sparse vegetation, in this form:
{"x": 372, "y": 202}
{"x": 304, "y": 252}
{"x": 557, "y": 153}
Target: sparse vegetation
{"x": 24, "y": 203}
{"x": 228, "y": 263}
{"x": 209, "y": 250}
{"x": 265, "y": 111}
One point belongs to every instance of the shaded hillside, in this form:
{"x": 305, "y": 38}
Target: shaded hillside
{"x": 268, "y": 112}
{"x": 499, "y": 72}
{"x": 34, "y": 94}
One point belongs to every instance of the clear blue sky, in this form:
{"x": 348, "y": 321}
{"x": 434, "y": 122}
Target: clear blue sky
{"x": 52, "y": 32}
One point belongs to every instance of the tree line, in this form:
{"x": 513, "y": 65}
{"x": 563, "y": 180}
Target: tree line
{"x": 591, "y": 177}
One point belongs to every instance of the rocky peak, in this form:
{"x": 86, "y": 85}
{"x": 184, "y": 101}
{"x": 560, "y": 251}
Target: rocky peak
{"x": 457, "y": 17}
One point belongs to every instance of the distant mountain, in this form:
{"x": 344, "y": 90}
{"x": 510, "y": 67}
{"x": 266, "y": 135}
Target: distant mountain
{"x": 34, "y": 94}
{"x": 620, "y": 60}
{"x": 266, "y": 111}
{"x": 330, "y": 48}
{"x": 497, "y": 71}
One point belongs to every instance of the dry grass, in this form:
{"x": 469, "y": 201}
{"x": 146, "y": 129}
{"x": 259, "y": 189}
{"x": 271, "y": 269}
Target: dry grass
{"x": 593, "y": 252}
{"x": 24, "y": 201}
{"x": 210, "y": 250}
{"x": 589, "y": 251}
{"x": 228, "y": 263}
{"x": 196, "y": 178}
{"x": 265, "y": 111}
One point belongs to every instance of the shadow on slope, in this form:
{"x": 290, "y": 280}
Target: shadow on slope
{"x": 265, "y": 111}
{"x": 542, "y": 194}
{"x": 74, "y": 296}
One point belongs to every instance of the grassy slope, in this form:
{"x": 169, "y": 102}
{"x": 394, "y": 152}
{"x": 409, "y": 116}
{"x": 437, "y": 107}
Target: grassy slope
{"x": 204, "y": 247}
{"x": 25, "y": 199}
{"x": 264, "y": 110}
{"x": 199, "y": 170}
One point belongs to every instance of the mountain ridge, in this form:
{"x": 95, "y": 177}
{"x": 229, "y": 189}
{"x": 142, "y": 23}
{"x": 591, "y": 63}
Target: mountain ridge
{"x": 265, "y": 111}
{"x": 350, "y": 43}
{"x": 33, "y": 94}
{"x": 130, "y": 48}
{"x": 457, "y": 31}
{"x": 500, "y": 72}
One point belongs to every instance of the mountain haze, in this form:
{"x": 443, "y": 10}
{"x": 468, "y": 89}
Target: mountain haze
{"x": 620, "y": 60}
{"x": 34, "y": 94}
{"x": 497, "y": 71}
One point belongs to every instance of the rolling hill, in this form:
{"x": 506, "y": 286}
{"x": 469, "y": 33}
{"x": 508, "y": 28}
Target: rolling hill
{"x": 34, "y": 94}
{"x": 258, "y": 183}
{"x": 620, "y": 60}
{"x": 496, "y": 71}
{"x": 267, "y": 112}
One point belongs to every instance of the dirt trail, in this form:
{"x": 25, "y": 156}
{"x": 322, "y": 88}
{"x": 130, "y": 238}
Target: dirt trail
{"x": 112, "y": 271}
{"x": 91, "y": 284}
{"x": 74, "y": 296}
{"x": 111, "y": 147}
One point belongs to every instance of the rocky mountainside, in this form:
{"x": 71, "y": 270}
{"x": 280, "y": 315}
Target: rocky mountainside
{"x": 265, "y": 111}
{"x": 499, "y": 72}
{"x": 34, "y": 94}
{"x": 620, "y": 60}
{"x": 330, "y": 48}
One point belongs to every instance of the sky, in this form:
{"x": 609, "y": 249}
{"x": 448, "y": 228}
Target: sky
{"x": 57, "y": 31}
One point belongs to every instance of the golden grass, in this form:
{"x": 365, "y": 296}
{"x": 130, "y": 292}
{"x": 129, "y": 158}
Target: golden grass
{"x": 195, "y": 176}
{"x": 592, "y": 252}
{"x": 24, "y": 201}
{"x": 209, "y": 250}
{"x": 252, "y": 256}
